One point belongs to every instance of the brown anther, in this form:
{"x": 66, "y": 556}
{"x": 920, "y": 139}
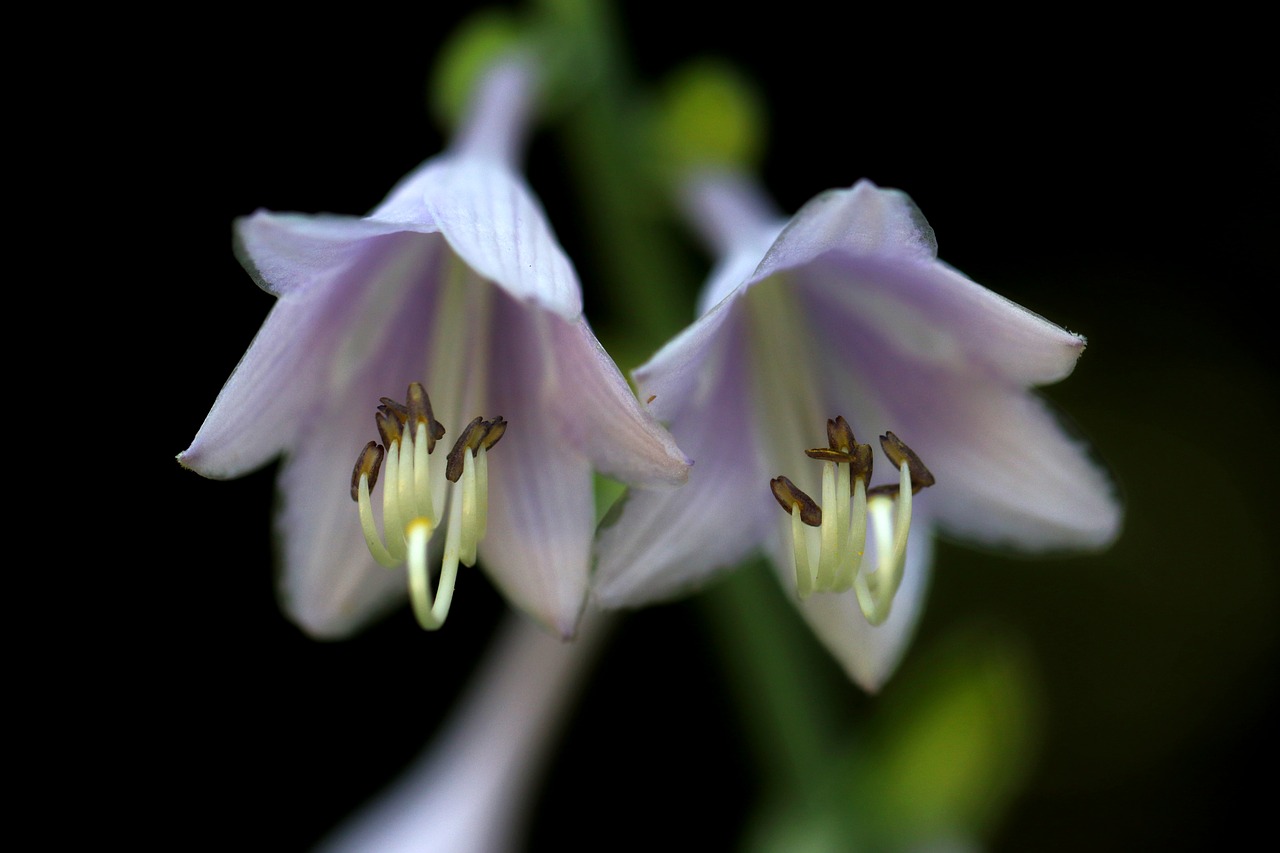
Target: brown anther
{"x": 884, "y": 490}
{"x": 860, "y": 467}
{"x": 827, "y": 454}
{"x": 840, "y": 435}
{"x": 369, "y": 462}
{"x": 494, "y": 430}
{"x": 899, "y": 453}
{"x": 419, "y": 412}
{"x": 389, "y": 427}
{"x": 789, "y": 497}
{"x": 391, "y": 407}
{"x": 470, "y": 439}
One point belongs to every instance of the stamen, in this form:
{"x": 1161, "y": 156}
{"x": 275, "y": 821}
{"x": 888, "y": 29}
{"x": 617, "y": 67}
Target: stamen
{"x": 429, "y": 609}
{"x": 875, "y": 592}
{"x": 409, "y": 433}
{"x": 468, "y": 440}
{"x": 367, "y": 463}
{"x": 790, "y": 497}
{"x": 899, "y": 454}
{"x": 363, "y": 478}
{"x": 850, "y": 506}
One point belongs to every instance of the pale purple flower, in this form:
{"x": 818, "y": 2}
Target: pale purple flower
{"x": 471, "y": 789}
{"x": 845, "y": 310}
{"x": 455, "y": 281}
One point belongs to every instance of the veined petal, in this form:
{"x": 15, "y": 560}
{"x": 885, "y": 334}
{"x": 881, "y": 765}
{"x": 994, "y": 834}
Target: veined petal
{"x": 872, "y": 250}
{"x": 869, "y": 654}
{"x": 862, "y": 221}
{"x": 1007, "y": 471}
{"x": 499, "y": 229}
{"x": 289, "y": 254}
{"x": 597, "y": 411}
{"x": 541, "y": 510}
{"x": 1028, "y": 484}
{"x": 664, "y": 543}
{"x": 931, "y": 313}
{"x": 314, "y": 340}
{"x": 329, "y": 584}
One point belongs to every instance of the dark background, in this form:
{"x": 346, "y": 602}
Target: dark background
{"x": 1119, "y": 181}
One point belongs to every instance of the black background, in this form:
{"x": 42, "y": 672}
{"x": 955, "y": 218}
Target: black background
{"x": 1118, "y": 180}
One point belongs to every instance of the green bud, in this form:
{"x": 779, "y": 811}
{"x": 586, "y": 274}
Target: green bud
{"x": 709, "y": 114}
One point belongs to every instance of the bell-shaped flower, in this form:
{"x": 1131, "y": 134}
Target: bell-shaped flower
{"x": 471, "y": 790}
{"x": 454, "y": 287}
{"x": 818, "y": 338}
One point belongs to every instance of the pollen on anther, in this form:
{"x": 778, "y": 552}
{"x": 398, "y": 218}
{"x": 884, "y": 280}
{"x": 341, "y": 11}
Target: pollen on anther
{"x": 418, "y": 411}
{"x": 840, "y": 434}
{"x": 389, "y": 428}
{"x": 469, "y": 439}
{"x": 494, "y": 430}
{"x": 368, "y": 462}
{"x": 789, "y": 497}
{"x": 898, "y": 453}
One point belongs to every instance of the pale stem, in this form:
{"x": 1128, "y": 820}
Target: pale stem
{"x": 405, "y": 481}
{"x": 392, "y": 522}
{"x": 857, "y": 536}
{"x": 430, "y": 610}
{"x": 482, "y": 494}
{"x": 467, "y": 549}
{"x": 800, "y": 551}
{"x": 452, "y": 540}
{"x": 829, "y": 552}
{"x": 422, "y": 475}
{"x": 903, "y": 527}
{"x": 376, "y": 548}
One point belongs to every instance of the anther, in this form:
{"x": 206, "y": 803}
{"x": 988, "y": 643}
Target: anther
{"x": 899, "y": 453}
{"x": 791, "y": 498}
{"x": 388, "y": 428}
{"x": 419, "y": 412}
{"x": 470, "y": 439}
{"x": 494, "y": 430}
{"x": 840, "y": 434}
{"x": 368, "y": 464}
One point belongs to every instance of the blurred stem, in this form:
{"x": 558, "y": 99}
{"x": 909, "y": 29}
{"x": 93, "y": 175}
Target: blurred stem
{"x": 627, "y": 211}
{"x": 786, "y": 710}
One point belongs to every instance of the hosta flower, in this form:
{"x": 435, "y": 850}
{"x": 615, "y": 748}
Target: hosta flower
{"x": 821, "y": 340}
{"x": 471, "y": 790}
{"x": 455, "y": 292}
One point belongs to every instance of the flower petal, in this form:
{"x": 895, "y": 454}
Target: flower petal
{"x": 871, "y": 250}
{"x": 869, "y": 654}
{"x": 330, "y": 585}
{"x": 663, "y": 543}
{"x": 541, "y": 512}
{"x": 289, "y": 254}
{"x": 596, "y": 410}
{"x": 1008, "y": 472}
{"x": 494, "y": 223}
{"x": 321, "y": 330}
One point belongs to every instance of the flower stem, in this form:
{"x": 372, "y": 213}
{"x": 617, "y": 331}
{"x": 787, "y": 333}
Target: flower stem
{"x": 772, "y": 662}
